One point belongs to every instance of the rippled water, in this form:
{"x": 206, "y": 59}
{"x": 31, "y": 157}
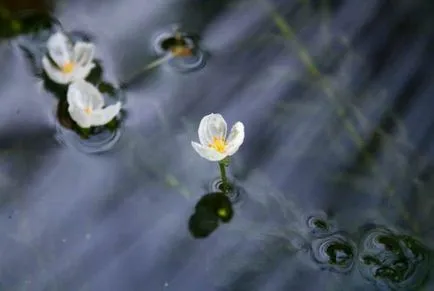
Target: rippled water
{"x": 332, "y": 186}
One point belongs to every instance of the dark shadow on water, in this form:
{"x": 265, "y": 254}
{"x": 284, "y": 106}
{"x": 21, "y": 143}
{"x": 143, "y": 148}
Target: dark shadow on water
{"x": 24, "y": 21}
{"x": 23, "y": 152}
{"x": 210, "y": 211}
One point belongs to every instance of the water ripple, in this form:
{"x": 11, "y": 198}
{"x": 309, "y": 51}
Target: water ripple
{"x": 393, "y": 261}
{"x": 334, "y": 253}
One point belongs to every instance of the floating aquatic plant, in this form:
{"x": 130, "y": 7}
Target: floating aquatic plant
{"x": 216, "y": 146}
{"x": 86, "y": 105}
{"x": 85, "y": 122}
{"x": 180, "y": 51}
{"x": 393, "y": 261}
{"x": 67, "y": 62}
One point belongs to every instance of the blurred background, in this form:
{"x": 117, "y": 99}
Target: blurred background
{"x": 334, "y": 179}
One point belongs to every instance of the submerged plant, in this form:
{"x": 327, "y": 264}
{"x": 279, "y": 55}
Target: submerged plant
{"x": 215, "y": 145}
{"x": 67, "y": 62}
{"x": 86, "y": 105}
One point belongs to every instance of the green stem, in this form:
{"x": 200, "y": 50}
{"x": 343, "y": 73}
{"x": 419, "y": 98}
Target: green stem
{"x": 222, "y": 165}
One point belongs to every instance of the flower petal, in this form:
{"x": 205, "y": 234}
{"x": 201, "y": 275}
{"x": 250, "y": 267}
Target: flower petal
{"x": 79, "y": 116}
{"x": 204, "y": 139}
{"x": 80, "y": 73}
{"x": 235, "y": 138}
{"x": 103, "y": 116}
{"x": 83, "y": 53}
{"x": 208, "y": 153}
{"x": 54, "y": 73}
{"x": 59, "y": 48}
{"x": 83, "y": 95}
{"x": 212, "y": 125}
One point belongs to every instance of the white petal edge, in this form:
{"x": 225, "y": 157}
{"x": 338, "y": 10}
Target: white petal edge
{"x": 104, "y": 116}
{"x": 217, "y": 126}
{"x": 212, "y": 125}
{"x": 83, "y": 53}
{"x": 83, "y": 94}
{"x": 80, "y": 73}
{"x": 202, "y": 130}
{"x": 80, "y": 117}
{"x": 59, "y": 48}
{"x": 208, "y": 153}
{"x": 54, "y": 73}
{"x": 235, "y": 138}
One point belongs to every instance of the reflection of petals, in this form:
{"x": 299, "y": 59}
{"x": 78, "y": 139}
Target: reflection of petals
{"x": 54, "y": 73}
{"x": 207, "y": 152}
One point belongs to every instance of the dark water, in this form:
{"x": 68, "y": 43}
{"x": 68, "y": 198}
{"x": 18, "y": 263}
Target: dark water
{"x": 335, "y": 176}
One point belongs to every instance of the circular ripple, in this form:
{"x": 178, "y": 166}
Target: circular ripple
{"x": 334, "y": 253}
{"x": 100, "y": 142}
{"x": 234, "y": 193}
{"x": 319, "y": 225}
{"x": 392, "y": 260}
{"x": 103, "y": 138}
{"x": 182, "y": 64}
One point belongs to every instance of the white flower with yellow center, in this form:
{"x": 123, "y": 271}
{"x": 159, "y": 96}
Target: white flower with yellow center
{"x": 72, "y": 62}
{"x": 86, "y": 105}
{"x": 214, "y": 145}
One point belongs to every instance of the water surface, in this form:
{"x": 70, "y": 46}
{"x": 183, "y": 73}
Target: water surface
{"x": 335, "y": 170}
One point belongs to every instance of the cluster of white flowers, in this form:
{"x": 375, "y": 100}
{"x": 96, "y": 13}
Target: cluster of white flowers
{"x": 70, "y": 64}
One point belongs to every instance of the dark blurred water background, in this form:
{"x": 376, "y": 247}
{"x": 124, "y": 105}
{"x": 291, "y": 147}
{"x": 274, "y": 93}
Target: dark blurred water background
{"x": 335, "y": 174}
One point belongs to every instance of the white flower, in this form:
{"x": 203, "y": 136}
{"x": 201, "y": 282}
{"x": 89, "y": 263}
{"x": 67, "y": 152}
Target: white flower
{"x": 86, "y": 105}
{"x": 214, "y": 145}
{"x": 72, "y": 62}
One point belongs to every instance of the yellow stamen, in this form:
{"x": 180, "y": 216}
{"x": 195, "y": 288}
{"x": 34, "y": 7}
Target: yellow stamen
{"x": 218, "y": 144}
{"x": 68, "y": 67}
{"x": 181, "y": 51}
{"x": 88, "y": 110}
